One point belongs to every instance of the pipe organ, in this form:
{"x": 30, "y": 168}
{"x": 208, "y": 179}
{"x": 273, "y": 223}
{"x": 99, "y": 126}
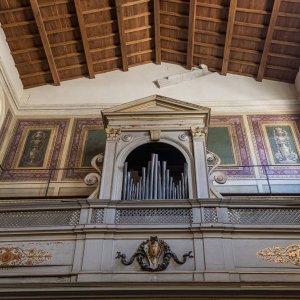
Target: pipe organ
{"x": 155, "y": 182}
{"x": 149, "y": 122}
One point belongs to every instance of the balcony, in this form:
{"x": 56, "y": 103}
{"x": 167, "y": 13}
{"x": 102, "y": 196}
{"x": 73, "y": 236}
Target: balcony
{"x": 255, "y": 180}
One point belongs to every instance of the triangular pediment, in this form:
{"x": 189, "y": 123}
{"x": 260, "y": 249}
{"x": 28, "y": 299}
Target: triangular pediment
{"x": 156, "y": 103}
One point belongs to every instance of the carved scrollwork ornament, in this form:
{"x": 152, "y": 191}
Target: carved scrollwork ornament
{"x": 153, "y": 255}
{"x": 213, "y": 175}
{"x": 183, "y": 137}
{"x": 281, "y": 255}
{"x": 113, "y": 134}
{"x": 198, "y": 132}
{"x": 11, "y": 256}
{"x": 126, "y": 138}
{"x": 93, "y": 178}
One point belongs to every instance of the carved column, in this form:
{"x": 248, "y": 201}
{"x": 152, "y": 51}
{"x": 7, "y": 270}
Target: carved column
{"x": 199, "y": 136}
{"x": 113, "y": 136}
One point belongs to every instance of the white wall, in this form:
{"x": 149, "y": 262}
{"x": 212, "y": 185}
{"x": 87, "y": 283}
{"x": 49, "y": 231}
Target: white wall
{"x": 231, "y": 93}
{"x": 8, "y": 69}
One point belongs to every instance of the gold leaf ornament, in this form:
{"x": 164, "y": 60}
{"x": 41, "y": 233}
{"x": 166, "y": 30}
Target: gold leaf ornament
{"x": 16, "y": 256}
{"x": 281, "y": 255}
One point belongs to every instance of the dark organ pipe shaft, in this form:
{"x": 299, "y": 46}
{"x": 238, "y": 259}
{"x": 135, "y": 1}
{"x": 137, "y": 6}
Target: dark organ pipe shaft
{"x": 155, "y": 182}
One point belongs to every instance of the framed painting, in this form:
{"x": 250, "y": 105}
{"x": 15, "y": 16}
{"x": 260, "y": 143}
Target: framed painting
{"x": 227, "y": 138}
{"x": 34, "y": 150}
{"x": 276, "y": 140}
{"x": 88, "y": 140}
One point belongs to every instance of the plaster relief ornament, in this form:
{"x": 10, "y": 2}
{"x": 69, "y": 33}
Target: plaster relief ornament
{"x": 213, "y": 175}
{"x": 113, "y": 134}
{"x": 16, "y": 256}
{"x": 285, "y": 154}
{"x": 198, "y": 132}
{"x": 153, "y": 255}
{"x": 95, "y": 178}
{"x": 281, "y": 255}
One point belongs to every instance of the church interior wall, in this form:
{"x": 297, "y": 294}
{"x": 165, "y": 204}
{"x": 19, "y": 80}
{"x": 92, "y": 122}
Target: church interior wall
{"x": 69, "y": 144}
{"x": 76, "y": 240}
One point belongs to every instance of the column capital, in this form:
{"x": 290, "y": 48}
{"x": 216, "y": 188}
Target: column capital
{"x": 198, "y": 132}
{"x": 113, "y": 134}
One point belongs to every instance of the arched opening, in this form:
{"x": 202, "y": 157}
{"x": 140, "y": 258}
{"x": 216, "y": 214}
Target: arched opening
{"x": 155, "y": 171}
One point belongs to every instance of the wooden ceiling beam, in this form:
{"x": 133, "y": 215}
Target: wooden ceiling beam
{"x": 120, "y": 17}
{"x": 229, "y": 34}
{"x": 85, "y": 42}
{"x": 268, "y": 41}
{"x": 45, "y": 41}
{"x": 157, "y": 31}
{"x": 191, "y": 34}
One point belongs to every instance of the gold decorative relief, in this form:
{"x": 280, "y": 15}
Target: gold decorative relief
{"x": 16, "y": 256}
{"x": 198, "y": 132}
{"x": 113, "y": 134}
{"x": 281, "y": 255}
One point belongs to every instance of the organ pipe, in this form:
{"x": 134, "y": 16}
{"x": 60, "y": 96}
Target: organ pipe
{"x": 155, "y": 182}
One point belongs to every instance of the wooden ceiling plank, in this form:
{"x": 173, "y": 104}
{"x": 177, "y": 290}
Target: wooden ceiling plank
{"x": 120, "y": 17}
{"x": 85, "y": 42}
{"x": 157, "y": 31}
{"x": 191, "y": 34}
{"x": 209, "y": 19}
{"x": 57, "y": 2}
{"x": 140, "y": 28}
{"x": 289, "y": 15}
{"x": 253, "y": 11}
{"x": 166, "y": 38}
{"x": 289, "y": 29}
{"x": 177, "y": 2}
{"x": 173, "y": 27}
{"x": 97, "y": 10}
{"x": 229, "y": 34}
{"x": 285, "y": 43}
{"x": 144, "y": 14}
{"x": 246, "y": 24}
{"x": 134, "y": 42}
{"x": 208, "y": 5}
{"x": 43, "y": 34}
{"x": 136, "y": 2}
{"x": 206, "y": 32}
{"x": 174, "y": 14}
{"x": 268, "y": 41}
{"x": 247, "y": 38}
{"x": 16, "y": 24}
{"x": 14, "y": 10}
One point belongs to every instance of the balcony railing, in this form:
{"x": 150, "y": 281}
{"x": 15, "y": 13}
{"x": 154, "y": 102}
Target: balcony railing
{"x": 69, "y": 182}
{"x": 207, "y": 213}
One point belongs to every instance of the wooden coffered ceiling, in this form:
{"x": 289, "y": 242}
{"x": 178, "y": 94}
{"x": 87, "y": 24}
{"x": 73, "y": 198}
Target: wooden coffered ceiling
{"x": 56, "y": 40}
